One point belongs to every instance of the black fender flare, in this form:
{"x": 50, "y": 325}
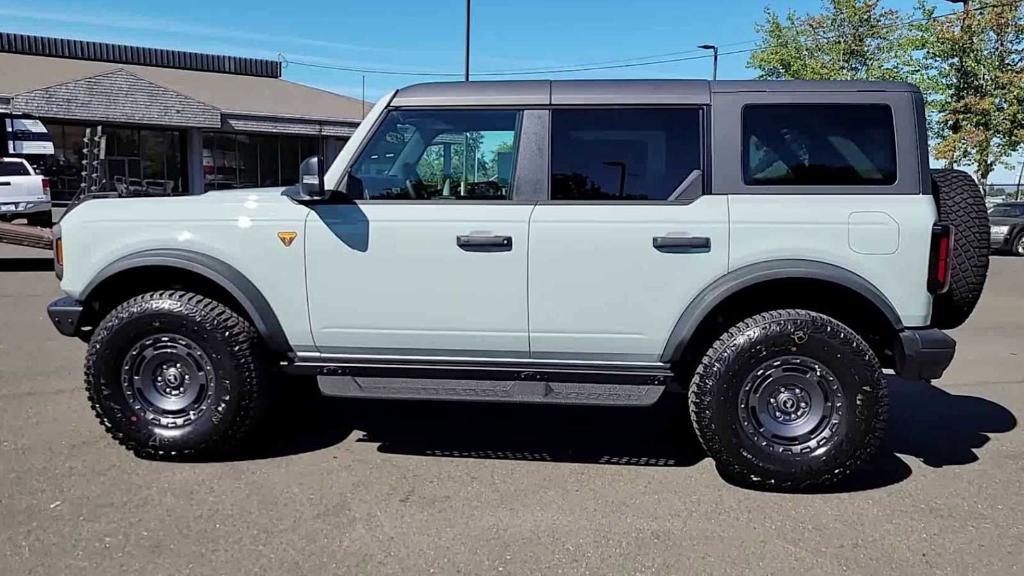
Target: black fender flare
{"x": 220, "y": 272}
{"x": 746, "y": 276}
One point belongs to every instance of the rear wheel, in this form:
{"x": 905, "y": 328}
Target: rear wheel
{"x": 789, "y": 399}
{"x": 175, "y": 374}
{"x": 1018, "y": 244}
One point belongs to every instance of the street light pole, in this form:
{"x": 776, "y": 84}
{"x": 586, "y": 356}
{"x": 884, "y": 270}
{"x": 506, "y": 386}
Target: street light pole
{"x": 467, "y": 39}
{"x": 714, "y": 65}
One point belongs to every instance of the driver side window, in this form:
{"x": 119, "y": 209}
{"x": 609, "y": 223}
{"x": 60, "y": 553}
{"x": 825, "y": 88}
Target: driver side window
{"x": 439, "y": 155}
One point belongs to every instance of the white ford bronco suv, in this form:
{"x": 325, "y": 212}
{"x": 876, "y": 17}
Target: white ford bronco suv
{"x": 770, "y": 248}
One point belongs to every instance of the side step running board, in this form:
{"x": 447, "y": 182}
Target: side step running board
{"x": 491, "y": 391}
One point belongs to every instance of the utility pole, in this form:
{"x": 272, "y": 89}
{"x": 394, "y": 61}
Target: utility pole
{"x": 1020, "y": 175}
{"x": 714, "y": 65}
{"x": 960, "y": 58}
{"x": 467, "y": 39}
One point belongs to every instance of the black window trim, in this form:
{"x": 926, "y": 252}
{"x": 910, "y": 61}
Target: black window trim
{"x": 704, "y": 121}
{"x": 520, "y": 110}
{"x": 801, "y": 189}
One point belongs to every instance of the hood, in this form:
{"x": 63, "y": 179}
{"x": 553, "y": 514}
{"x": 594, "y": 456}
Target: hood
{"x": 215, "y": 205}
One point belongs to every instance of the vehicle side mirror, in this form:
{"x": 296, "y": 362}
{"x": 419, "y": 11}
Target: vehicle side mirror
{"x": 310, "y": 178}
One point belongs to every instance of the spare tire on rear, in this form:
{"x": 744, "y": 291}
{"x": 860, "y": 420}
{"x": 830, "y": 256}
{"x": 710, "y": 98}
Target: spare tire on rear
{"x": 961, "y": 203}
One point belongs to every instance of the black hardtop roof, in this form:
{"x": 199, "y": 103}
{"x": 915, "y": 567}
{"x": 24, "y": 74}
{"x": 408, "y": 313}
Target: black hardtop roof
{"x": 556, "y": 92}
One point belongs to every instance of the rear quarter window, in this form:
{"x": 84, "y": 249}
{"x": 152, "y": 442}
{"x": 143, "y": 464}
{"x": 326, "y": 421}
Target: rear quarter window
{"x": 819, "y": 145}
{"x": 8, "y": 168}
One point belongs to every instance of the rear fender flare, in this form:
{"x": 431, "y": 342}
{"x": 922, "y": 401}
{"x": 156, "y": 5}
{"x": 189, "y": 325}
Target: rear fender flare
{"x": 736, "y": 280}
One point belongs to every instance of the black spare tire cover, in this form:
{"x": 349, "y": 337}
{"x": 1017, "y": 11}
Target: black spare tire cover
{"x": 961, "y": 203}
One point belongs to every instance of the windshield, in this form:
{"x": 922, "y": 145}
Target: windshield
{"x": 1007, "y": 211}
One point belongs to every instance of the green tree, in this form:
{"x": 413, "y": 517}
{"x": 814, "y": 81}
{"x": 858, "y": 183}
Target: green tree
{"x": 973, "y": 66}
{"x": 847, "y": 40}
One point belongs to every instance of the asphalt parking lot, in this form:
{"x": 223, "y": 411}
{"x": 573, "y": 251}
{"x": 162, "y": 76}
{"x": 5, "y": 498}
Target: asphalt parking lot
{"x": 367, "y": 487}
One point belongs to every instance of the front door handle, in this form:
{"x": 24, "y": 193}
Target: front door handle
{"x": 481, "y": 243}
{"x": 682, "y": 244}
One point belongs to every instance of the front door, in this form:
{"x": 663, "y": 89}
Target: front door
{"x": 429, "y": 259}
{"x": 628, "y": 239}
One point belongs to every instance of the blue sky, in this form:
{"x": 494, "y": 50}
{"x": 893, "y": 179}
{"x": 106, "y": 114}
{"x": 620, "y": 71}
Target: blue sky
{"x": 424, "y": 35}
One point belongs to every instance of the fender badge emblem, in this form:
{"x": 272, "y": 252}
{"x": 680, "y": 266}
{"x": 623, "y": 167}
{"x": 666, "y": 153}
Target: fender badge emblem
{"x": 287, "y": 238}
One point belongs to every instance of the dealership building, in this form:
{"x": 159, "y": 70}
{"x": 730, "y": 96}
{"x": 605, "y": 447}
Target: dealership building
{"x": 175, "y": 122}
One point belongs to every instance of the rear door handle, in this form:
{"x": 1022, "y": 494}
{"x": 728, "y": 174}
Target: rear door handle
{"x": 682, "y": 244}
{"x": 481, "y": 243}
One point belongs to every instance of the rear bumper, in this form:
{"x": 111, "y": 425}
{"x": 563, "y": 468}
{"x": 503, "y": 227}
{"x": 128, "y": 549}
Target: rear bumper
{"x": 923, "y": 354}
{"x": 65, "y": 314}
{"x": 22, "y": 208}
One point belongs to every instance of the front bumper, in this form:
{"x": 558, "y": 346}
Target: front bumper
{"x": 923, "y": 354}
{"x": 65, "y": 314}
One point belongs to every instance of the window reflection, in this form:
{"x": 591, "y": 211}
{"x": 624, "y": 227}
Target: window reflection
{"x": 139, "y": 162}
{"x": 233, "y": 160}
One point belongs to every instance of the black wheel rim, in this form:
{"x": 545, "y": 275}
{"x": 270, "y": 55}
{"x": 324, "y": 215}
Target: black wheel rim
{"x": 791, "y": 404}
{"x": 168, "y": 379}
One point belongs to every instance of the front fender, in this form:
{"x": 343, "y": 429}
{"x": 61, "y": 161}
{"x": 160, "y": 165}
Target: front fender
{"x": 223, "y": 274}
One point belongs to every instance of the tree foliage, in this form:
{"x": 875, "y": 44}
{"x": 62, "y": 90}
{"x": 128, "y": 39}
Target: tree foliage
{"x": 847, "y": 40}
{"x": 973, "y": 66}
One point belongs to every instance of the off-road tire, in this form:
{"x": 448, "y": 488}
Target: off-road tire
{"x": 856, "y": 425}
{"x": 237, "y": 384}
{"x": 961, "y": 203}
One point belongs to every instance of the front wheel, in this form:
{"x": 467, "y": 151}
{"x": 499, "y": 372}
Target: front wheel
{"x": 789, "y": 399}
{"x": 172, "y": 374}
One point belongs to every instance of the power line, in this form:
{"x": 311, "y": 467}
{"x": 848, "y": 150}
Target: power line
{"x": 620, "y": 60}
{"x": 634, "y": 62}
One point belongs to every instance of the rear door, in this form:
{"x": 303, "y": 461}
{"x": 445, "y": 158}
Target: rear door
{"x": 627, "y": 239}
{"x": 429, "y": 258}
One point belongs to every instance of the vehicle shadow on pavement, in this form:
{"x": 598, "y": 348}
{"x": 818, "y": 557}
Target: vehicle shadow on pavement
{"x": 301, "y": 421}
{"x": 652, "y": 436}
{"x": 26, "y": 265}
{"x": 933, "y": 426}
{"x": 926, "y": 423}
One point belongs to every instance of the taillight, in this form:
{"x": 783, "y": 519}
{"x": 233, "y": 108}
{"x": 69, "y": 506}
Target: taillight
{"x": 46, "y": 186}
{"x": 941, "y": 259}
{"x": 58, "y": 251}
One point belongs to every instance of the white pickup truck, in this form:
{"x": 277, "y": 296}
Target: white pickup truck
{"x": 23, "y": 193}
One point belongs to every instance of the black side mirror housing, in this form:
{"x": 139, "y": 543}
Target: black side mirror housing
{"x": 311, "y": 178}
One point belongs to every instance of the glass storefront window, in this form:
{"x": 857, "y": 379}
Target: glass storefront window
{"x": 270, "y": 166}
{"x": 291, "y": 157}
{"x": 248, "y": 160}
{"x": 151, "y": 162}
{"x": 139, "y": 162}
